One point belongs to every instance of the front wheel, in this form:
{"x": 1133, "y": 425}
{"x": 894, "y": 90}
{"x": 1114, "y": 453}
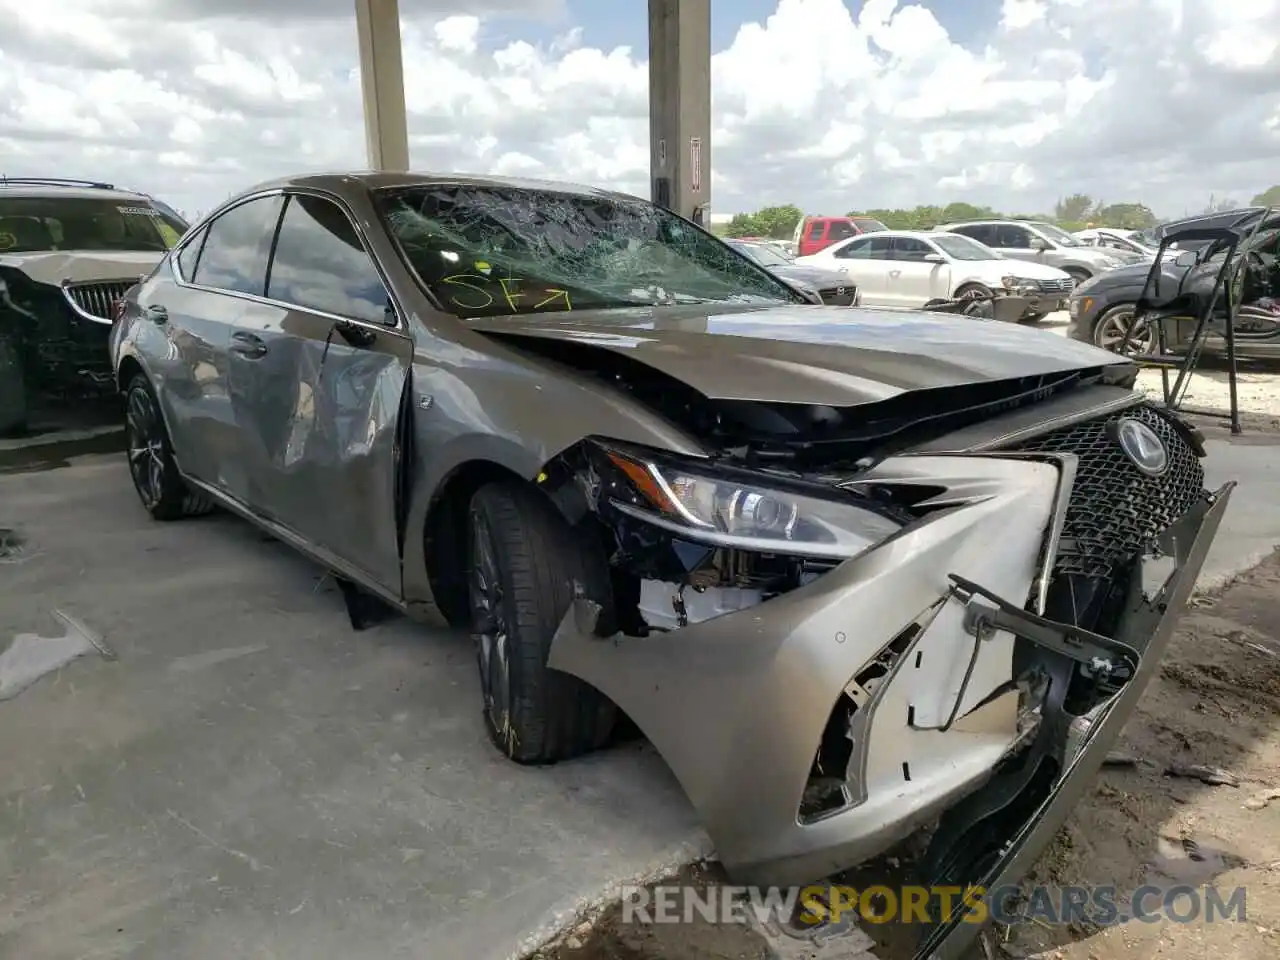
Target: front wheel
{"x": 159, "y": 485}
{"x": 1078, "y": 275}
{"x": 1110, "y": 329}
{"x": 526, "y": 566}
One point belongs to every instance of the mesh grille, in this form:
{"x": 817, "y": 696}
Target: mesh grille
{"x": 1116, "y": 510}
{"x": 1057, "y": 286}
{"x": 838, "y": 296}
{"x": 98, "y": 299}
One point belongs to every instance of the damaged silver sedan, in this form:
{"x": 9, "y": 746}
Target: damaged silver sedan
{"x": 852, "y": 572}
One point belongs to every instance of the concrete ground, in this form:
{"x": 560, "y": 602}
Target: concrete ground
{"x": 250, "y": 778}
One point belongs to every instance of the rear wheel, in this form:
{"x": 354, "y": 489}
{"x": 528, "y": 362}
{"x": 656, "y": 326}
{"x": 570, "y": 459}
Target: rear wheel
{"x": 1110, "y": 329}
{"x": 159, "y": 485}
{"x": 525, "y": 567}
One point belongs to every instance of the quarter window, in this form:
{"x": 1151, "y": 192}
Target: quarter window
{"x": 236, "y": 246}
{"x": 189, "y": 256}
{"x": 320, "y": 264}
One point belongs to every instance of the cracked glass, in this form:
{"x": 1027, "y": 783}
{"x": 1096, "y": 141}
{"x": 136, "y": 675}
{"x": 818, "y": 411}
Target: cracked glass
{"x": 489, "y": 250}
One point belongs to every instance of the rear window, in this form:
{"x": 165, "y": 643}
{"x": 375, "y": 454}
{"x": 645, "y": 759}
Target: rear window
{"x": 39, "y": 224}
{"x": 867, "y": 225}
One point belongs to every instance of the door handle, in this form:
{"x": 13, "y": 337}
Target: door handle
{"x": 248, "y": 345}
{"x": 157, "y": 313}
{"x": 895, "y": 273}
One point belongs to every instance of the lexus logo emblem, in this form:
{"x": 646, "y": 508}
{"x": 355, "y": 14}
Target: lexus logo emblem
{"x": 1142, "y": 446}
{"x": 839, "y": 291}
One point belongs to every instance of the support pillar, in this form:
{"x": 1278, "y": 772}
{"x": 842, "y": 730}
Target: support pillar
{"x": 680, "y": 106}
{"x": 386, "y": 128}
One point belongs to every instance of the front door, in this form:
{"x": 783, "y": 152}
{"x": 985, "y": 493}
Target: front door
{"x": 1014, "y": 241}
{"x": 320, "y": 370}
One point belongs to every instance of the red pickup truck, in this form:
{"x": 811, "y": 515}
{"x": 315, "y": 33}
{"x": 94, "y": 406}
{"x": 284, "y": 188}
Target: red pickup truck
{"x": 814, "y": 233}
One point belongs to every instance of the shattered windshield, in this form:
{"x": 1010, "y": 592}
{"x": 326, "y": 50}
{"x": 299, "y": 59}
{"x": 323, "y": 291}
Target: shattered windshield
{"x": 486, "y": 250}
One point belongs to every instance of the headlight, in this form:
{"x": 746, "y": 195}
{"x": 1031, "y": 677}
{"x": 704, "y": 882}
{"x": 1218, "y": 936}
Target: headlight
{"x": 1019, "y": 284}
{"x": 734, "y": 512}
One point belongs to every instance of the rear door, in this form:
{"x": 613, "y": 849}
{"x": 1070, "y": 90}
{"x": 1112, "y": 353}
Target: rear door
{"x": 868, "y": 260}
{"x": 193, "y": 318}
{"x": 912, "y": 281}
{"x": 322, "y": 366}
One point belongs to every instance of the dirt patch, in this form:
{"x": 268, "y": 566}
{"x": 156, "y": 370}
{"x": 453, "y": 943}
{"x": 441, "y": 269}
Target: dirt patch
{"x": 1212, "y": 714}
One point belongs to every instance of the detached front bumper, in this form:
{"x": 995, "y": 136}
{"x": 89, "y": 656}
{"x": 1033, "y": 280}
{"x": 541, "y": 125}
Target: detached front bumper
{"x": 1148, "y": 627}
{"x": 739, "y": 705}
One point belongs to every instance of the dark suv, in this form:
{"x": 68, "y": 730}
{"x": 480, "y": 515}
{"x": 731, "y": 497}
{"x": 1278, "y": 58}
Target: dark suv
{"x": 69, "y": 249}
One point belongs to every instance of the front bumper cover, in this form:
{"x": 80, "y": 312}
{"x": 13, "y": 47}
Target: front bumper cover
{"x": 1148, "y": 627}
{"x": 738, "y": 704}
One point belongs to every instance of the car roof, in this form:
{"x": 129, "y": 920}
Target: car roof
{"x": 981, "y": 223}
{"x": 365, "y": 180}
{"x": 73, "y": 189}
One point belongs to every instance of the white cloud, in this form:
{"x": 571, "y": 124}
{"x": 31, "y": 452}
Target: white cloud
{"x": 1162, "y": 101}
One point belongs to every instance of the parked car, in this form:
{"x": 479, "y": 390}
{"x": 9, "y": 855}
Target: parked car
{"x": 814, "y": 233}
{"x": 648, "y": 477}
{"x": 903, "y": 268}
{"x": 831, "y": 284}
{"x": 1126, "y": 241}
{"x": 1042, "y": 243}
{"x": 68, "y": 251}
{"x": 1103, "y": 310}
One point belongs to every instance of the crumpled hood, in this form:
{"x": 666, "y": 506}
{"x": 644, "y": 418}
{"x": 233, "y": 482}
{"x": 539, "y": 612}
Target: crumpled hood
{"x": 82, "y": 266}
{"x": 839, "y": 356}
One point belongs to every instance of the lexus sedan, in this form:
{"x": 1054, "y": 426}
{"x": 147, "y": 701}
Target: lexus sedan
{"x": 851, "y": 572}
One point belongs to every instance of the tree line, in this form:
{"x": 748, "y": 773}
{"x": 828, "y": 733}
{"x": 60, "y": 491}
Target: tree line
{"x": 1076, "y": 212}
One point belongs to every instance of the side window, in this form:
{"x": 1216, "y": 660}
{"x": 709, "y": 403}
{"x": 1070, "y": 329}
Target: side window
{"x": 909, "y": 248}
{"x": 815, "y": 229}
{"x": 1013, "y": 237}
{"x": 975, "y": 231}
{"x": 842, "y": 230}
{"x": 236, "y": 245}
{"x": 868, "y": 248}
{"x": 189, "y": 255}
{"x": 320, "y": 264}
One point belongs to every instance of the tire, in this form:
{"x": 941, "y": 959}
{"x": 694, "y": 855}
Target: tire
{"x": 13, "y": 391}
{"x": 520, "y": 591}
{"x": 1078, "y": 274}
{"x": 159, "y": 485}
{"x": 1110, "y": 326}
{"x": 974, "y": 290}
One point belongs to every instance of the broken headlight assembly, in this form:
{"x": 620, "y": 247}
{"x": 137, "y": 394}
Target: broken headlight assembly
{"x": 740, "y": 510}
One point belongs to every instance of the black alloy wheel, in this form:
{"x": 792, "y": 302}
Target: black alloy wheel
{"x": 156, "y": 478}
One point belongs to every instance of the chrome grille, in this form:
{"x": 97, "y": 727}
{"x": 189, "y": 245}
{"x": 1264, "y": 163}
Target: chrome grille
{"x": 1064, "y": 286}
{"x": 1116, "y": 511}
{"x": 97, "y": 299}
{"x": 839, "y": 296}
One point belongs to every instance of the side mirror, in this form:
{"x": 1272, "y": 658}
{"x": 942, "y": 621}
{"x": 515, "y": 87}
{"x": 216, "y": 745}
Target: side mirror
{"x": 1038, "y": 244}
{"x": 934, "y": 258}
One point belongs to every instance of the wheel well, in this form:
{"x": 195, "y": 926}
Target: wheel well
{"x": 129, "y": 368}
{"x": 1078, "y": 272}
{"x": 970, "y": 285}
{"x": 445, "y": 535}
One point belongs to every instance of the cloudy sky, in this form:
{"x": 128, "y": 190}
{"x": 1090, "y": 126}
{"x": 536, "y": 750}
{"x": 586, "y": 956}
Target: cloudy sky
{"x": 828, "y": 104}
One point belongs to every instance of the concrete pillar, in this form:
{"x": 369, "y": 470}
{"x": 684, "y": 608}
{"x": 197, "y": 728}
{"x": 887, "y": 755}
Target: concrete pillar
{"x": 386, "y": 129}
{"x": 680, "y": 105}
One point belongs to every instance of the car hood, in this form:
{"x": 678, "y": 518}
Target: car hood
{"x": 837, "y": 356}
{"x": 1132, "y": 275}
{"x": 1101, "y": 256}
{"x": 815, "y": 276}
{"x": 82, "y": 266}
